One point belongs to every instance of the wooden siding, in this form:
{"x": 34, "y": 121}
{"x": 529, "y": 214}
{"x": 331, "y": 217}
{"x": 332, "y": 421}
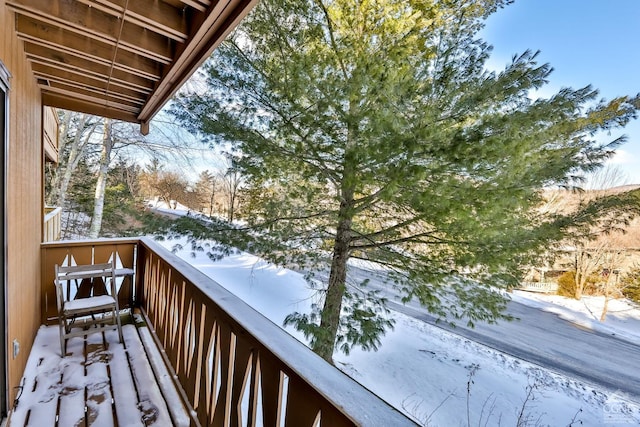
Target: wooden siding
{"x": 24, "y": 199}
{"x": 50, "y": 133}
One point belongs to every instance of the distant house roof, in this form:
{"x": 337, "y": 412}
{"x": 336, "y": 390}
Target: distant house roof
{"x": 121, "y": 59}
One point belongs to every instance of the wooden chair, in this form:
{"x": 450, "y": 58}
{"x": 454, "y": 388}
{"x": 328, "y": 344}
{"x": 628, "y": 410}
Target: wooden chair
{"x": 85, "y": 295}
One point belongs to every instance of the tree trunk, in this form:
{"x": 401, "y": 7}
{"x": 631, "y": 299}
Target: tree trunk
{"x": 212, "y": 198}
{"x": 101, "y": 184}
{"x": 331, "y": 311}
{"x": 75, "y": 155}
{"x": 53, "y": 198}
{"x": 232, "y": 203}
{"x": 579, "y": 288}
{"x": 605, "y": 308}
{"x": 330, "y": 316}
{"x": 608, "y": 290}
{"x": 582, "y": 267}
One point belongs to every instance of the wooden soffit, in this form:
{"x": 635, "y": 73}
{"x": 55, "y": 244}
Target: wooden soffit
{"x": 121, "y": 59}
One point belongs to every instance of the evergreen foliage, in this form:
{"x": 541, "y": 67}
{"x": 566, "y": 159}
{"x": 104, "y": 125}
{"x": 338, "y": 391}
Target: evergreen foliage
{"x": 81, "y": 189}
{"x": 122, "y": 206}
{"x": 205, "y": 193}
{"x": 372, "y": 130}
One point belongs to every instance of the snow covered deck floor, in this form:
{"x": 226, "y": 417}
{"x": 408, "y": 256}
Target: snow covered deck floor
{"x": 100, "y": 382}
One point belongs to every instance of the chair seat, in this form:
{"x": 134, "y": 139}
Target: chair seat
{"x": 86, "y": 304}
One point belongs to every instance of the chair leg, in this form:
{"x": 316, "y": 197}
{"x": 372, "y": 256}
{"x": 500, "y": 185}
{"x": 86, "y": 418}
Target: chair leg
{"x": 119, "y": 327}
{"x": 63, "y": 341}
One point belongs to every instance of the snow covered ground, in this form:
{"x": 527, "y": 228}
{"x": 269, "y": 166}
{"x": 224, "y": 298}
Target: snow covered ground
{"x": 439, "y": 378}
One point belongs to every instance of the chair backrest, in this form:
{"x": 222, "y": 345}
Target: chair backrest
{"x": 84, "y": 281}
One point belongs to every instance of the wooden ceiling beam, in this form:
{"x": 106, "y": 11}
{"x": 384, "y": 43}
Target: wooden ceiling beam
{"x": 98, "y": 25}
{"x": 57, "y": 100}
{"x": 116, "y": 99}
{"x": 83, "y": 81}
{"x": 157, "y": 16}
{"x": 212, "y": 28}
{"x": 86, "y": 66}
{"x": 120, "y": 58}
{"x": 58, "y": 39}
{"x": 89, "y": 95}
{"x": 199, "y": 5}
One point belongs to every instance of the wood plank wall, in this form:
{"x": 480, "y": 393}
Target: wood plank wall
{"x": 24, "y": 193}
{"x": 50, "y": 134}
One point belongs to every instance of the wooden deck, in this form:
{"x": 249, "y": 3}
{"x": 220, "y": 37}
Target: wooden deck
{"x": 100, "y": 382}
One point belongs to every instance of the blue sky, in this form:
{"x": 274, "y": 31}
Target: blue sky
{"x": 593, "y": 42}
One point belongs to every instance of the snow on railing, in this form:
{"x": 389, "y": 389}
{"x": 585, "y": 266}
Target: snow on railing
{"x": 545, "y": 287}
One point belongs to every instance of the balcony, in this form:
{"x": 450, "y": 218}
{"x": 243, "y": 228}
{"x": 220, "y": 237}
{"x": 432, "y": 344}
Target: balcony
{"x": 215, "y": 360}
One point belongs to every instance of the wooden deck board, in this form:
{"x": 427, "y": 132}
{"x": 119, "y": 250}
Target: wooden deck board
{"x": 71, "y": 399}
{"x": 43, "y": 389}
{"x": 100, "y": 382}
{"x": 98, "y": 391}
{"x": 151, "y": 401}
{"x": 124, "y": 391}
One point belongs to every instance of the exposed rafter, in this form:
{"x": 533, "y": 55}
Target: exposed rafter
{"x": 120, "y": 58}
{"x": 67, "y": 42}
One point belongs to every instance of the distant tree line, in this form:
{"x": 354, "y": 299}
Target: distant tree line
{"x": 106, "y": 191}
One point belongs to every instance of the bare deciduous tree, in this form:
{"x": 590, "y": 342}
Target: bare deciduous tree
{"x": 596, "y": 248}
{"x": 171, "y": 187}
{"x": 108, "y": 143}
{"x": 76, "y": 132}
{"x": 232, "y": 181}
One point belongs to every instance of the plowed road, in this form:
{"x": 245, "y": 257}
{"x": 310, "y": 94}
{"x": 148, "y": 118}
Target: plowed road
{"x": 547, "y": 340}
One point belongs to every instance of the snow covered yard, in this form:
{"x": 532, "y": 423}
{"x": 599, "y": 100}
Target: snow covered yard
{"x": 436, "y": 377}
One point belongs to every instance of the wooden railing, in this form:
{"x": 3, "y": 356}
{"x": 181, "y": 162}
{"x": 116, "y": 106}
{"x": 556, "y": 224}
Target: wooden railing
{"x": 51, "y": 227}
{"x": 232, "y": 365}
{"x": 544, "y": 287}
{"x": 86, "y": 252}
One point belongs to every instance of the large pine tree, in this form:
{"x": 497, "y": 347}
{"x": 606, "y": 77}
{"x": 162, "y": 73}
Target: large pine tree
{"x": 372, "y": 130}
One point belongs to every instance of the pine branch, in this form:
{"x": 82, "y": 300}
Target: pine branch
{"x": 416, "y": 239}
{"x": 334, "y": 45}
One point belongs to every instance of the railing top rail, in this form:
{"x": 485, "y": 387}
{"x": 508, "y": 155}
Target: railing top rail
{"x": 91, "y": 242}
{"x": 355, "y": 401}
{"x": 51, "y": 212}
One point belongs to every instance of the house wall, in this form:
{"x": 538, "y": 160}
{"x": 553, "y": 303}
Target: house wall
{"x": 24, "y": 199}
